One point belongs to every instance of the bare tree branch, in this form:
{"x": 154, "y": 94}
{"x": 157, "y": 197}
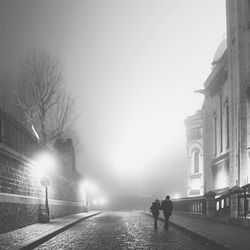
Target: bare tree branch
{"x": 45, "y": 103}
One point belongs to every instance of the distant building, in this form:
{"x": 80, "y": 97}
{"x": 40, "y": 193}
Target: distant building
{"x": 195, "y": 154}
{"x": 225, "y": 112}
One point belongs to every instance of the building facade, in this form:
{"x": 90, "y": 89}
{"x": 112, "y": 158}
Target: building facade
{"x": 238, "y": 44}
{"x": 225, "y": 114}
{"x": 194, "y": 147}
{"x": 215, "y": 119}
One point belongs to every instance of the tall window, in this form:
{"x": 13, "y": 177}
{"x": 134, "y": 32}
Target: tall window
{"x": 196, "y": 162}
{"x": 227, "y": 125}
{"x": 0, "y": 131}
{"x": 215, "y": 135}
{"x": 221, "y": 125}
{"x": 248, "y": 17}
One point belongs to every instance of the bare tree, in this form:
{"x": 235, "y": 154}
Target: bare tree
{"x": 47, "y": 108}
{"x": 6, "y": 90}
{"x": 8, "y": 101}
{"x": 62, "y": 121}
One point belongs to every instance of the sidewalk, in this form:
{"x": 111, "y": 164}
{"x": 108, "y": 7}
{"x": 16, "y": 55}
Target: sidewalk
{"x": 222, "y": 235}
{"x": 34, "y": 235}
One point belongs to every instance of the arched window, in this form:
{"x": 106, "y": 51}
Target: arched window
{"x": 0, "y": 131}
{"x": 227, "y": 126}
{"x": 196, "y": 162}
{"x": 215, "y": 135}
{"x": 221, "y": 125}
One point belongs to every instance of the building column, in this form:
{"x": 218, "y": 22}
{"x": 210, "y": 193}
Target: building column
{"x": 234, "y": 193}
{"x": 210, "y": 203}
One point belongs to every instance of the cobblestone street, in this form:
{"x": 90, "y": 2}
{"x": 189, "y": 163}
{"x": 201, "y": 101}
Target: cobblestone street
{"x": 122, "y": 230}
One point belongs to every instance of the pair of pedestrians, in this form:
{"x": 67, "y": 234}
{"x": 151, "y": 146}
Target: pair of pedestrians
{"x": 167, "y": 207}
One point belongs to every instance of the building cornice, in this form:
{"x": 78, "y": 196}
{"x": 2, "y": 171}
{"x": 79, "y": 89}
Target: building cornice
{"x": 217, "y": 77}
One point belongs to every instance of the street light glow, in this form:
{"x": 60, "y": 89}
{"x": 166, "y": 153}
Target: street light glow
{"x": 176, "y": 196}
{"x": 44, "y": 163}
{"x": 89, "y": 186}
{"x": 102, "y": 201}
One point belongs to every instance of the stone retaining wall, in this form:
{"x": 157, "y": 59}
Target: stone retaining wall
{"x": 22, "y": 195}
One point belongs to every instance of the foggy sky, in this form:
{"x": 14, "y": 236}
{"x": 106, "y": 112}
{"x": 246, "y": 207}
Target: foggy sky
{"x": 133, "y": 66}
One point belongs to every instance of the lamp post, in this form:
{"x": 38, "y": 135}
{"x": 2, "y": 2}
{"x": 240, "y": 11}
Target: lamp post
{"x": 89, "y": 188}
{"x": 44, "y": 213}
{"x": 87, "y": 198}
{"x": 45, "y": 163}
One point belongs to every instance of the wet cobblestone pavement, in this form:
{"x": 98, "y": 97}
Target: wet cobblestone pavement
{"x": 32, "y": 232}
{"x": 122, "y": 230}
{"x": 21, "y": 235}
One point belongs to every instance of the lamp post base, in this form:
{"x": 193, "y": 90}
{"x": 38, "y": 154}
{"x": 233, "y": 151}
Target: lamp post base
{"x": 43, "y": 215}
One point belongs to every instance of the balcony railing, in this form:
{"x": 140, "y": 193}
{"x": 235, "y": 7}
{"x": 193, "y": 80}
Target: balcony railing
{"x": 195, "y": 205}
{"x": 244, "y": 202}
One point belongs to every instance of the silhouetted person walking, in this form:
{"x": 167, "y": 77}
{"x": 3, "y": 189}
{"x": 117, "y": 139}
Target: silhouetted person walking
{"x": 155, "y": 211}
{"x": 167, "y": 207}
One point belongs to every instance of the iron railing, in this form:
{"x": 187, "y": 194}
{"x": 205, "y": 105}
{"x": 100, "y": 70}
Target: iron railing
{"x": 16, "y": 136}
{"x": 244, "y": 202}
{"x": 222, "y": 205}
{"x": 196, "y": 205}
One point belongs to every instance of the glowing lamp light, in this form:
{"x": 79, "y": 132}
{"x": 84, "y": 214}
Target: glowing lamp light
{"x": 84, "y": 185}
{"x": 93, "y": 188}
{"x": 45, "y": 163}
{"x": 102, "y": 201}
{"x": 88, "y": 185}
{"x": 176, "y": 196}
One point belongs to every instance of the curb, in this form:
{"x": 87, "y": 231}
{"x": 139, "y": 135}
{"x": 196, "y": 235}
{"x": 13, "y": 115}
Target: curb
{"x": 30, "y": 244}
{"x": 208, "y": 241}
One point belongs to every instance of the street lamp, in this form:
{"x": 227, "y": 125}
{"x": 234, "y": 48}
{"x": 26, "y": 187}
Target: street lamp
{"x": 89, "y": 188}
{"x": 44, "y": 213}
{"x": 84, "y": 186}
{"x": 102, "y": 201}
{"x": 99, "y": 203}
{"x": 45, "y": 162}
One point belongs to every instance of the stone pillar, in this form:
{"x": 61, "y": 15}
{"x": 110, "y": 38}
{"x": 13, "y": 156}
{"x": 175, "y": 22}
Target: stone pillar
{"x": 234, "y": 193}
{"x": 210, "y": 203}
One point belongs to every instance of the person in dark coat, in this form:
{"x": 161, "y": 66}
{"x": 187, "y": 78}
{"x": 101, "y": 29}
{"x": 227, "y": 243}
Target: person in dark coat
{"x": 155, "y": 211}
{"x": 167, "y": 207}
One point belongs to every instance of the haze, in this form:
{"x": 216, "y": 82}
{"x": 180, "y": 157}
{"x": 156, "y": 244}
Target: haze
{"x": 133, "y": 67}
